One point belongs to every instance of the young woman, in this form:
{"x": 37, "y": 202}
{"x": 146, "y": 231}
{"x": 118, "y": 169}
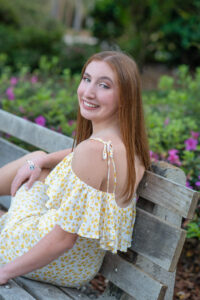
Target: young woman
{"x": 68, "y": 208}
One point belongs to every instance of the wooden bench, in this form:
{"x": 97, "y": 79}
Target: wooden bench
{"x": 147, "y": 270}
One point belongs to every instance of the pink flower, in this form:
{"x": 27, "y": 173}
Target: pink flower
{"x": 34, "y": 79}
{"x": 195, "y": 135}
{"x": 10, "y": 94}
{"x": 40, "y": 120}
{"x": 166, "y": 122}
{"x": 13, "y": 80}
{"x": 191, "y": 144}
{"x": 173, "y": 158}
{"x": 197, "y": 183}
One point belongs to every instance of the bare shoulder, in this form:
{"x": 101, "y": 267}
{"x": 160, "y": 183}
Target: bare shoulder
{"x": 87, "y": 163}
{"x": 139, "y": 168}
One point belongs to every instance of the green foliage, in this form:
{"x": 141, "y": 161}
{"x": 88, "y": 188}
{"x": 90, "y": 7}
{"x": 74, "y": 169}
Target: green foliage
{"x": 25, "y": 46}
{"x": 26, "y": 14}
{"x": 54, "y": 98}
{"x": 193, "y": 228}
{"x": 172, "y": 116}
{"x": 109, "y": 19}
{"x": 151, "y": 30}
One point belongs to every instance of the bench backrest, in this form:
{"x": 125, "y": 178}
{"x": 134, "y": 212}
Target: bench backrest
{"x": 147, "y": 269}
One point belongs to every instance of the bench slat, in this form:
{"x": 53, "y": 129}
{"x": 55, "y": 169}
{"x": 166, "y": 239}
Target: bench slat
{"x": 33, "y": 134}
{"x": 75, "y": 293}
{"x": 14, "y": 292}
{"x": 161, "y": 191}
{"x": 9, "y": 152}
{"x": 130, "y": 278}
{"x": 157, "y": 240}
{"x": 40, "y": 290}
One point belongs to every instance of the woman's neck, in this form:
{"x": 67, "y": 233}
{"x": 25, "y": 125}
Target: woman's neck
{"x": 99, "y": 130}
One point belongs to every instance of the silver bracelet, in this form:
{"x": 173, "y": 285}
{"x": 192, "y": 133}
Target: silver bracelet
{"x": 31, "y": 165}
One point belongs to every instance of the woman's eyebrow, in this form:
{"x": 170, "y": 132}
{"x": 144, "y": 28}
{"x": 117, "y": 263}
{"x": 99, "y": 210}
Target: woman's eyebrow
{"x": 102, "y": 77}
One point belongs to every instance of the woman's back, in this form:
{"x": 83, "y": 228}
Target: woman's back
{"x": 99, "y": 166}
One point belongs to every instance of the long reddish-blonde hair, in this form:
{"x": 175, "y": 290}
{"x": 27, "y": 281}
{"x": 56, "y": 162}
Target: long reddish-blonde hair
{"x": 131, "y": 115}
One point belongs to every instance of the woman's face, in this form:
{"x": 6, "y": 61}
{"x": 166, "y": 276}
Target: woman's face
{"x": 98, "y": 93}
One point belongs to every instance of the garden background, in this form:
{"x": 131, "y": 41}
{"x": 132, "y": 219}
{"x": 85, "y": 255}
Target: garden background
{"x": 43, "y": 46}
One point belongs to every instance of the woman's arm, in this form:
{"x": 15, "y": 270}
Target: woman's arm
{"x": 50, "y": 247}
{"x": 50, "y": 160}
{"x": 41, "y": 160}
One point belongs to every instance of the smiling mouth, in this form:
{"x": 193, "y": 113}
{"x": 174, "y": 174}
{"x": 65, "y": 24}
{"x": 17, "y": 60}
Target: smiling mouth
{"x": 89, "y": 104}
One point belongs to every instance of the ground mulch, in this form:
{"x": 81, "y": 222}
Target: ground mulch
{"x": 188, "y": 272}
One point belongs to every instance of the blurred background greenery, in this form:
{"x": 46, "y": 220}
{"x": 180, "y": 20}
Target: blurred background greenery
{"x": 153, "y": 31}
{"x": 44, "y": 44}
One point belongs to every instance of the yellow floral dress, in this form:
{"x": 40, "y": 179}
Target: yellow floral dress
{"x": 66, "y": 200}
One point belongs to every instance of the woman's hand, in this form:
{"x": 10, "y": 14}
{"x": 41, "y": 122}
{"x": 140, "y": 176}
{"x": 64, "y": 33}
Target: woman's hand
{"x": 29, "y": 172}
{"x": 3, "y": 278}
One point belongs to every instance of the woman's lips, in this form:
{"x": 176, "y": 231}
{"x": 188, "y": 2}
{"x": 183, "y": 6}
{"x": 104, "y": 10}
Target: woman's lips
{"x": 89, "y": 106}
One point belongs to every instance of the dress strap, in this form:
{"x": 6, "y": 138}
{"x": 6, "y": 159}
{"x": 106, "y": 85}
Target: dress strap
{"x": 108, "y": 154}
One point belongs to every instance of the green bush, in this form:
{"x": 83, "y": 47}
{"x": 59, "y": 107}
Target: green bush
{"x": 151, "y": 30}
{"x": 25, "y": 46}
{"x": 48, "y": 101}
{"x": 172, "y": 116}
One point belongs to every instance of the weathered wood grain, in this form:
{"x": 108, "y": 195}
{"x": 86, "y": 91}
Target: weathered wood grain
{"x": 8, "y": 152}
{"x": 132, "y": 279}
{"x": 41, "y": 291}
{"x": 157, "y": 240}
{"x": 168, "y": 194}
{"x": 12, "y": 291}
{"x": 167, "y": 278}
{"x": 75, "y": 293}
{"x": 33, "y": 134}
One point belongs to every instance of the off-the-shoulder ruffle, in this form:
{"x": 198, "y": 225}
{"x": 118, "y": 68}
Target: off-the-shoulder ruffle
{"x": 82, "y": 209}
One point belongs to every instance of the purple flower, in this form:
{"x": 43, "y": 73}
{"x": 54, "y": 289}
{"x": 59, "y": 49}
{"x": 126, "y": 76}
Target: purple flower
{"x": 173, "y": 158}
{"x": 13, "y": 80}
{"x": 197, "y": 183}
{"x": 34, "y": 79}
{"x": 59, "y": 129}
{"x": 40, "y": 120}
{"x": 191, "y": 144}
{"x": 21, "y": 109}
{"x": 153, "y": 156}
{"x": 188, "y": 184}
{"x": 166, "y": 122}
{"x": 70, "y": 122}
{"x": 195, "y": 135}
{"x": 10, "y": 94}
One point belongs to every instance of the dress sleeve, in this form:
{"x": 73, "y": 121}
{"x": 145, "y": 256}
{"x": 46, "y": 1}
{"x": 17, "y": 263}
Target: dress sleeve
{"x": 90, "y": 213}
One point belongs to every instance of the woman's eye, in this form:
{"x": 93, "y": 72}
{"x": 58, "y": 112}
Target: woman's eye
{"x": 86, "y": 79}
{"x": 105, "y": 86}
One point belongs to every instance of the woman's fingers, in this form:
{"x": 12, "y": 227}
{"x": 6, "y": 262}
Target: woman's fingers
{"x": 34, "y": 176}
{"x": 25, "y": 174}
{"x": 17, "y": 182}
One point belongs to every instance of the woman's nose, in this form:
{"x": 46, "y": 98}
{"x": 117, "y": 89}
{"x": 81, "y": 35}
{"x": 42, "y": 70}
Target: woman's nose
{"x": 89, "y": 91}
